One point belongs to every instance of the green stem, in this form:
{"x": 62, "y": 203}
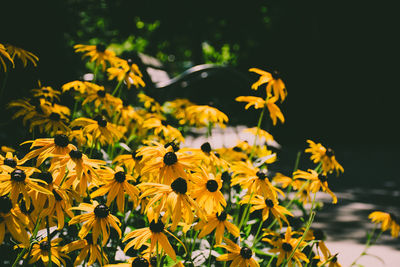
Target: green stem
{"x": 367, "y": 245}
{"x": 258, "y": 232}
{"x": 35, "y": 231}
{"x": 245, "y": 212}
{"x": 117, "y": 87}
{"x": 211, "y": 246}
{"x": 270, "y": 260}
{"x": 258, "y": 130}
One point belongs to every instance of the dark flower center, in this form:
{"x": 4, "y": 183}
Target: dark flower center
{"x": 269, "y": 203}
{"x": 319, "y": 234}
{"x": 212, "y": 185}
{"x": 54, "y": 116}
{"x": 101, "y": 93}
{"x": 101, "y": 48}
{"x": 18, "y": 175}
{"x": 246, "y": 253}
{"x": 222, "y": 216}
{"x": 45, "y": 176}
{"x": 101, "y": 211}
{"x": 10, "y": 162}
{"x": 206, "y": 147}
{"x": 276, "y": 75}
{"x": 56, "y": 195}
{"x": 329, "y": 152}
{"x": 125, "y": 103}
{"x": 22, "y": 206}
{"x": 61, "y": 140}
{"x": 226, "y": 177}
{"x": 140, "y": 262}
{"x": 237, "y": 149}
{"x": 261, "y": 175}
{"x": 5, "y": 204}
{"x": 287, "y": 247}
{"x": 101, "y": 121}
{"x": 334, "y": 259}
{"x": 156, "y": 227}
{"x": 217, "y": 154}
{"x": 322, "y": 178}
{"x": 164, "y": 123}
{"x": 89, "y": 239}
{"x": 75, "y": 154}
{"x": 179, "y": 185}
{"x": 170, "y": 158}
{"x": 45, "y": 246}
{"x": 175, "y": 147}
{"x": 136, "y": 157}
{"x": 120, "y": 176}
{"x": 45, "y": 91}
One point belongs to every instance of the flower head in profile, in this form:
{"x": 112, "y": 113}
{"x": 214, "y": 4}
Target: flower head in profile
{"x": 388, "y": 220}
{"x": 98, "y": 219}
{"x": 97, "y": 53}
{"x": 274, "y": 111}
{"x": 203, "y": 115}
{"x": 240, "y": 256}
{"x": 12, "y": 220}
{"x": 22, "y": 54}
{"x": 326, "y": 156}
{"x": 87, "y": 249}
{"x": 101, "y": 99}
{"x": 46, "y": 92}
{"x": 6, "y": 55}
{"x": 274, "y": 82}
{"x": 127, "y": 71}
{"x": 255, "y": 101}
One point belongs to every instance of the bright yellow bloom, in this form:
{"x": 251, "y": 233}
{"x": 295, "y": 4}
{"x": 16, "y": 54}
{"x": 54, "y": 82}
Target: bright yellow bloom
{"x": 275, "y": 83}
{"x": 324, "y": 155}
{"x": 4, "y": 53}
{"x": 98, "y": 219}
{"x": 22, "y": 54}
{"x": 97, "y": 53}
{"x": 255, "y": 101}
{"x": 218, "y": 221}
{"x": 177, "y": 108}
{"x": 46, "y": 92}
{"x": 13, "y": 220}
{"x": 161, "y": 127}
{"x": 10, "y": 160}
{"x": 88, "y": 248}
{"x": 240, "y": 257}
{"x": 53, "y": 120}
{"x": 388, "y": 220}
{"x": 128, "y": 72}
{"x": 274, "y": 111}
{"x": 149, "y": 103}
{"x": 205, "y": 115}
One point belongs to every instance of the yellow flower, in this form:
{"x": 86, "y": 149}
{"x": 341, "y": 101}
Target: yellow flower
{"x": 161, "y": 126}
{"x": 255, "y": 101}
{"x": 261, "y": 133}
{"x": 98, "y": 219}
{"x": 22, "y": 54}
{"x": 275, "y": 83}
{"x": 274, "y": 111}
{"x": 131, "y": 162}
{"x": 286, "y": 246}
{"x": 205, "y": 115}
{"x": 46, "y": 92}
{"x": 13, "y": 220}
{"x": 97, "y": 53}
{"x": 324, "y": 155}
{"x": 4, "y": 53}
{"x": 11, "y": 161}
{"x": 128, "y": 72}
{"x": 101, "y": 99}
{"x": 240, "y": 257}
{"x": 218, "y": 221}
{"x": 116, "y": 185}
{"x": 388, "y": 220}
{"x": 149, "y": 103}
{"x": 53, "y": 120}
{"x": 177, "y": 108}
{"x": 87, "y": 249}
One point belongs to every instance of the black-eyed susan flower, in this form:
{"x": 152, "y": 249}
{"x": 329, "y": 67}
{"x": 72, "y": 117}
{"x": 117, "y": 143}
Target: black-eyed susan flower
{"x": 274, "y": 83}
{"x": 219, "y": 222}
{"x": 388, "y": 220}
{"x": 326, "y": 156}
{"x": 177, "y": 108}
{"x": 132, "y": 162}
{"x": 267, "y": 205}
{"x": 12, "y": 220}
{"x": 4, "y": 54}
{"x": 79, "y": 86}
{"x": 260, "y": 133}
{"x": 97, "y": 53}
{"x": 255, "y": 101}
{"x": 87, "y": 249}
{"x": 207, "y": 191}
{"x": 160, "y": 126}
{"x": 29, "y": 109}
{"x": 116, "y": 184}
{"x": 240, "y": 256}
{"x": 53, "y": 120}
{"x": 209, "y": 157}
{"x": 22, "y": 54}
{"x": 99, "y": 129}
{"x": 155, "y": 232}
{"x": 47, "y": 93}
{"x": 101, "y": 99}
{"x": 41, "y": 250}
{"x": 285, "y": 248}
{"x": 127, "y": 71}
{"x": 10, "y": 160}
{"x": 317, "y": 182}
{"x": 203, "y": 115}
{"x": 274, "y": 111}
{"x": 149, "y": 103}
{"x": 97, "y": 219}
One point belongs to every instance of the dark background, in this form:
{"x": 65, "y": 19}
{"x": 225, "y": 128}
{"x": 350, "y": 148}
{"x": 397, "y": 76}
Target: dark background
{"x": 338, "y": 58}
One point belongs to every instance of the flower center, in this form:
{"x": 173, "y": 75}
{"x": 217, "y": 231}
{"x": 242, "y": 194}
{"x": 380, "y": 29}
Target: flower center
{"x": 45, "y": 246}
{"x": 276, "y": 75}
{"x": 269, "y": 203}
{"x": 179, "y": 186}
{"x": 170, "y": 158}
{"x": 174, "y": 146}
{"x": 101, "y": 48}
{"x": 5, "y": 204}
{"x": 101, "y": 211}
{"x": 212, "y": 185}
{"x": 75, "y": 154}
{"x": 56, "y": 195}
{"x": 329, "y": 152}
{"x": 156, "y": 227}
{"x": 10, "y": 162}
{"x": 237, "y": 149}
{"x": 287, "y": 247}
{"x": 319, "y": 234}
{"x": 226, "y": 177}
{"x": 322, "y": 178}
{"x": 222, "y": 216}
{"x": 261, "y": 175}
{"x": 246, "y": 253}
{"x": 101, "y": 93}
{"x": 135, "y": 156}
{"x": 101, "y": 121}
{"x": 120, "y": 176}
{"x": 140, "y": 262}
{"x": 206, "y": 147}
{"x": 61, "y": 140}
{"x": 45, "y": 176}
{"x": 54, "y": 116}
{"x": 18, "y": 175}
